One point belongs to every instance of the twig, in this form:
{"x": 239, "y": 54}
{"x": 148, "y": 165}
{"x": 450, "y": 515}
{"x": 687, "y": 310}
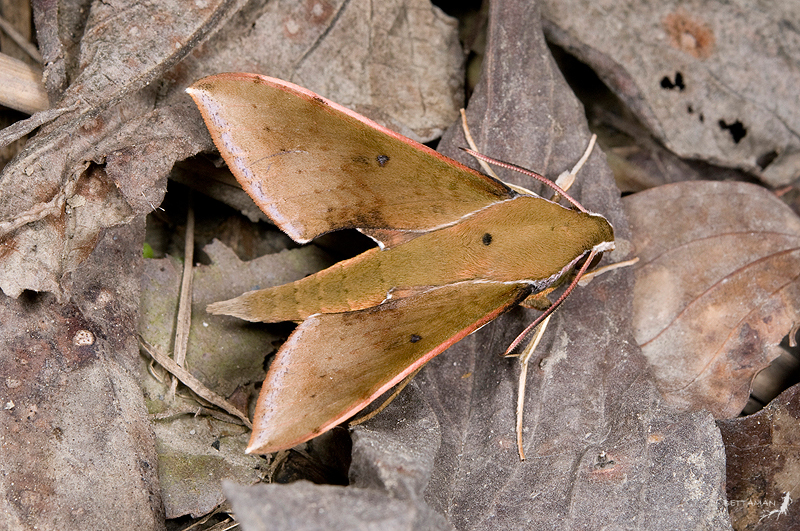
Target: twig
{"x": 21, "y": 128}
{"x": 184, "y": 320}
{"x": 20, "y": 40}
{"x": 192, "y": 383}
{"x": 54, "y": 207}
{"x": 486, "y": 168}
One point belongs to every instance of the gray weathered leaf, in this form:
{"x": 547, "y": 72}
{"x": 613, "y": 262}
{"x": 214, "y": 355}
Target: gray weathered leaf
{"x": 714, "y": 81}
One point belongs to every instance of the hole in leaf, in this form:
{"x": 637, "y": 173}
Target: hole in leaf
{"x": 766, "y": 159}
{"x": 736, "y": 129}
{"x": 668, "y": 84}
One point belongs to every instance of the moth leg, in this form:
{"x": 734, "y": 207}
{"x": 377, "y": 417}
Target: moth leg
{"x": 538, "y": 301}
{"x": 399, "y": 387}
{"x": 523, "y": 376}
{"x": 567, "y": 178}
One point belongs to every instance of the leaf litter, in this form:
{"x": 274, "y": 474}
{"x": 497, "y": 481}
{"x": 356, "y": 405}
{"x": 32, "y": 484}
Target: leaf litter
{"x": 603, "y": 446}
{"x": 116, "y": 73}
{"x": 222, "y": 356}
{"x": 764, "y": 447}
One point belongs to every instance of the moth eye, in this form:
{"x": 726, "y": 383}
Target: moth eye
{"x": 382, "y": 160}
{"x": 487, "y": 239}
{"x": 415, "y": 338}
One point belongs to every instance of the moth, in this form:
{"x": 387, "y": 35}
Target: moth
{"x": 456, "y": 248}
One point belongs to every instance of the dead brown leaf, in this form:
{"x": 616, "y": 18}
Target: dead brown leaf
{"x": 763, "y": 465}
{"x": 113, "y": 123}
{"x": 716, "y": 288}
{"x": 77, "y": 445}
{"x": 115, "y": 73}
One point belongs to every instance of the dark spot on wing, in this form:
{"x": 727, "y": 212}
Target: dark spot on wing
{"x": 487, "y": 239}
{"x": 382, "y": 160}
{"x": 415, "y": 338}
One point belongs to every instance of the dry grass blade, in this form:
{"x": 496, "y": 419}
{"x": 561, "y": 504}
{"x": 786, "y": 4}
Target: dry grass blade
{"x": 184, "y": 320}
{"x": 21, "y": 87}
{"x": 20, "y": 40}
{"x": 191, "y": 382}
{"x": 473, "y": 147}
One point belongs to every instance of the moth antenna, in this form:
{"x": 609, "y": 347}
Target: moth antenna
{"x": 529, "y": 173}
{"x": 520, "y": 338}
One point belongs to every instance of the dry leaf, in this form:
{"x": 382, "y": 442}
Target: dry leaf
{"x": 115, "y": 74}
{"x": 223, "y": 352}
{"x": 337, "y": 508}
{"x": 136, "y": 130}
{"x": 77, "y": 442}
{"x": 713, "y": 81}
{"x": 763, "y": 462}
{"x": 716, "y": 288}
{"x": 111, "y": 142}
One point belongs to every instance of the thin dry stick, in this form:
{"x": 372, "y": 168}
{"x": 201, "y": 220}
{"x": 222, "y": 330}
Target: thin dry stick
{"x": 184, "y": 320}
{"x": 54, "y": 207}
{"x": 20, "y": 41}
{"x": 793, "y": 335}
{"x": 565, "y": 181}
{"x": 193, "y": 383}
{"x": 225, "y": 525}
{"x": 197, "y": 411}
{"x": 21, "y": 128}
{"x": 523, "y": 376}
